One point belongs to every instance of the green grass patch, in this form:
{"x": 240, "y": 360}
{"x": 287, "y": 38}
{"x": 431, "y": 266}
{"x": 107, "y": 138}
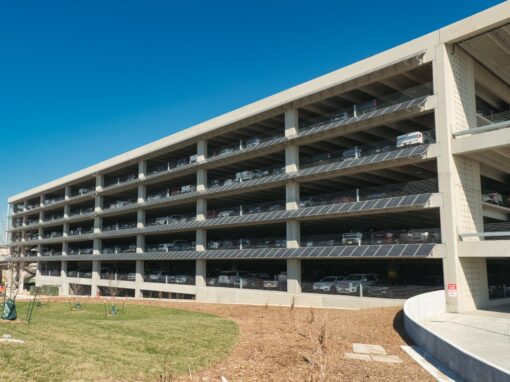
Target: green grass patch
{"x": 140, "y": 344}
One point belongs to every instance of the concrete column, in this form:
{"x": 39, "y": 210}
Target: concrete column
{"x": 140, "y": 218}
{"x": 65, "y": 281}
{"x": 294, "y": 276}
{"x": 40, "y": 233}
{"x": 291, "y": 122}
{"x": 142, "y": 169}
{"x": 139, "y": 278}
{"x": 67, "y": 209}
{"x": 67, "y": 192}
{"x": 65, "y": 248}
{"x": 293, "y": 234}
{"x": 41, "y": 201}
{"x": 41, "y": 217}
{"x": 292, "y": 150}
{"x": 201, "y": 240}
{"x": 98, "y": 203}
{"x": 66, "y": 229}
{"x": 99, "y": 182}
{"x": 201, "y": 209}
{"x": 140, "y": 243}
{"x": 201, "y": 179}
{"x": 292, "y": 196}
{"x": 96, "y": 269}
{"x": 200, "y": 272}
{"x": 98, "y": 224}
{"x": 142, "y": 193}
{"x": 201, "y": 151}
{"x": 97, "y": 246}
{"x": 459, "y": 179}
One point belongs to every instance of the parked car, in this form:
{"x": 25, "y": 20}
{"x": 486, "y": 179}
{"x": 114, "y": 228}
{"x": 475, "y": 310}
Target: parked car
{"x": 226, "y": 150}
{"x": 411, "y": 139}
{"x": 244, "y": 175}
{"x": 278, "y": 283}
{"x": 312, "y": 201}
{"x": 343, "y": 199}
{"x": 85, "y": 190}
{"x": 188, "y": 188}
{"x": 416, "y": 236}
{"x": 193, "y": 158}
{"x": 229, "y": 277}
{"x": 383, "y": 237}
{"x": 354, "y": 153}
{"x": 326, "y": 284}
{"x": 227, "y": 213}
{"x": 167, "y": 220}
{"x": 252, "y": 142}
{"x": 352, "y": 238}
{"x": 120, "y": 203}
{"x": 158, "y": 195}
{"x": 131, "y": 276}
{"x": 351, "y": 283}
{"x": 184, "y": 279}
{"x": 493, "y": 198}
{"x": 175, "y": 245}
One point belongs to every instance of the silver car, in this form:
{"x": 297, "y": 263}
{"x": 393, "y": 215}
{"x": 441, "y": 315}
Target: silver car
{"x": 352, "y": 283}
{"x": 326, "y": 284}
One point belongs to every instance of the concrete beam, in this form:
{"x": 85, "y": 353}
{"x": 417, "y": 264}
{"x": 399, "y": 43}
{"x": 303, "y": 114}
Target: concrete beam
{"x": 481, "y": 142}
{"x": 485, "y": 248}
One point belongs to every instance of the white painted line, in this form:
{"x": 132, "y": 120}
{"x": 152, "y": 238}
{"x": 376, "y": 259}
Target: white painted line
{"x": 435, "y": 368}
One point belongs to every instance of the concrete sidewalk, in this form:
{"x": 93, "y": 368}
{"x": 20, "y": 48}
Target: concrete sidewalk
{"x": 484, "y": 333}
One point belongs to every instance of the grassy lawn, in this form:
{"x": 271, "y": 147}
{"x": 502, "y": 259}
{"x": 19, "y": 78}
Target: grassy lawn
{"x": 84, "y": 345}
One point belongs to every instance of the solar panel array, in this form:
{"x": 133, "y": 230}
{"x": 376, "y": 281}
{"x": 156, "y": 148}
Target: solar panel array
{"x": 333, "y": 252}
{"x": 282, "y": 215}
{"x": 413, "y": 104}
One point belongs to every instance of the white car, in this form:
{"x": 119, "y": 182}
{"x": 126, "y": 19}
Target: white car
{"x": 351, "y": 283}
{"x": 244, "y": 175}
{"x": 230, "y": 277}
{"x": 173, "y": 246}
{"x": 226, "y": 213}
{"x": 188, "y": 188}
{"x": 352, "y": 238}
{"x": 84, "y": 190}
{"x": 326, "y": 284}
{"x": 411, "y": 139}
{"x": 493, "y": 198}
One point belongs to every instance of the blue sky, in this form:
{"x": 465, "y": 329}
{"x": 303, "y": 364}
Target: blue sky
{"x": 82, "y": 81}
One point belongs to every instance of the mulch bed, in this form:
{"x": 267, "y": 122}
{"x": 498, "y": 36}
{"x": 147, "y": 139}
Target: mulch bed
{"x": 297, "y": 344}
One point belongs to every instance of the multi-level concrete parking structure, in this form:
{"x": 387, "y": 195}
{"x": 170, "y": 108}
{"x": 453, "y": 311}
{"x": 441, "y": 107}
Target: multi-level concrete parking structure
{"x": 393, "y": 170}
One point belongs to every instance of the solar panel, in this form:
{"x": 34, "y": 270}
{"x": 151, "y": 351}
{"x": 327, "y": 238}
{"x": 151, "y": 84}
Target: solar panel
{"x": 390, "y": 250}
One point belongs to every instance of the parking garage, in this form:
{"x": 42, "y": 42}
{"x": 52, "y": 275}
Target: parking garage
{"x": 375, "y": 186}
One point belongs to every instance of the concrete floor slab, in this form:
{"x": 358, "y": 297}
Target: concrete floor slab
{"x": 368, "y": 349}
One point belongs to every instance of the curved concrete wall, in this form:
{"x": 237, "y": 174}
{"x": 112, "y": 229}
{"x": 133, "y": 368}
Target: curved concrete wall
{"x": 465, "y": 364}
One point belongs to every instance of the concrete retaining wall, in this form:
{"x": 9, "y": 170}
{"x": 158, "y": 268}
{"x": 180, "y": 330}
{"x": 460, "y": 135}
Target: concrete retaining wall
{"x": 465, "y": 364}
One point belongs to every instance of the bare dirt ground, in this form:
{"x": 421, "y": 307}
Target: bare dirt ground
{"x": 297, "y": 344}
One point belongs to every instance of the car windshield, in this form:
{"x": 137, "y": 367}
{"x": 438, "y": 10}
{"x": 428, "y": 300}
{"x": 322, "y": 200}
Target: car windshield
{"x": 353, "y": 277}
{"x": 328, "y": 279}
